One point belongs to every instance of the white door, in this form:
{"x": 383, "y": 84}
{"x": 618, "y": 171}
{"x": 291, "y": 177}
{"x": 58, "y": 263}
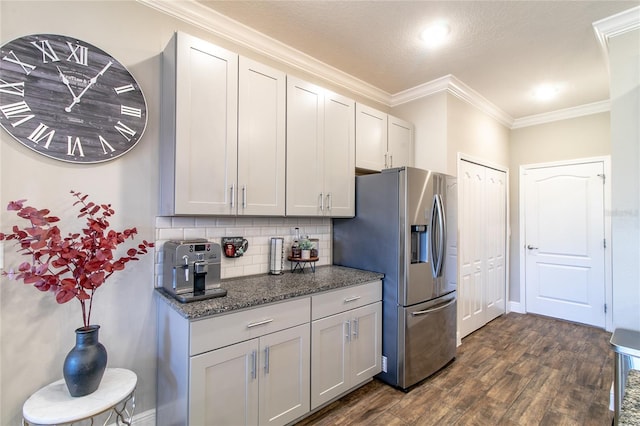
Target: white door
{"x": 564, "y": 240}
{"x": 284, "y": 375}
{"x": 482, "y": 223}
{"x": 261, "y": 139}
{"x": 224, "y": 386}
{"x": 305, "y": 148}
{"x": 339, "y": 157}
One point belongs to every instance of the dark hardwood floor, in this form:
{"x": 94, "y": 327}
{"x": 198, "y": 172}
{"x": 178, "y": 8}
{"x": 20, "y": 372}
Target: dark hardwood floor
{"x": 517, "y": 370}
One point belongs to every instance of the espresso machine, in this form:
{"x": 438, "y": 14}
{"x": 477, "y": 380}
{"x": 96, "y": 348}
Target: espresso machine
{"x": 191, "y": 270}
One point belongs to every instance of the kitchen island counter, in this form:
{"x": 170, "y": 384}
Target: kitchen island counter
{"x": 252, "y": 291}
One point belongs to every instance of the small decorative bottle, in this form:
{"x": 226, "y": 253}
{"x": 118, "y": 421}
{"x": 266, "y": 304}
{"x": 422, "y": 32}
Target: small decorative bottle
{"x": 295, "y": 247}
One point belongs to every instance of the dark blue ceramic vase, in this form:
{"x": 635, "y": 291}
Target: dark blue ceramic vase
{"x": 85, "y": 364}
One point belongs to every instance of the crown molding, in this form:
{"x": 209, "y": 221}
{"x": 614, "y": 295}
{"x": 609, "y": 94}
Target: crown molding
{"x": 616, "y": 25}
{"x": 224, "y": 27}
{"x": 194, "y": 13}
{"x": 456, "y": 87}
{"x": 562, "y": 114}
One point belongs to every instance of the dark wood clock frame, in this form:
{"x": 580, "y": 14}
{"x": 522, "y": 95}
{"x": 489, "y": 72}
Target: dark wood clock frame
{"x": 69, "y": 100}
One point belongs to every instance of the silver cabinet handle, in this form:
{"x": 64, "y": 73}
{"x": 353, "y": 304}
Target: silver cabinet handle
{"x": 254, "y": 364}
{"x": 266, "y": 360}
{"x": 329, "y": 201}
{"x": 233, "y": 195}
{"x": 530, "y": 247}
{"x": 322, "y": 201}
{"x": 385, "y": 160}
{"x": 390, "y": 161}
{"x": 347, "y": 334}
{"x": 351, "y": 299}
{"x": 356, "y": 328}
{"x": 244, "y": 196}
{"x": 263, "y": 322}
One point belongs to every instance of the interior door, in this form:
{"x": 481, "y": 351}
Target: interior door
{"x": 564, "y": 240}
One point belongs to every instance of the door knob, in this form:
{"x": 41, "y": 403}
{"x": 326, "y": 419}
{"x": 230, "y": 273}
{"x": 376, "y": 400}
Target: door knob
{"x": 530, "y": 247}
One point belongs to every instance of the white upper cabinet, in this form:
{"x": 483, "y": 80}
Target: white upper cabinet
{"x": 224, "y": 132}
{"x": 320, "y": 151}
{"x": 199, "y": 127}
{"x": 382, "y": 141}
{"x": 261, "y": 139}
{"x": 371, "y": 138}
{"x": 399, "y": 143}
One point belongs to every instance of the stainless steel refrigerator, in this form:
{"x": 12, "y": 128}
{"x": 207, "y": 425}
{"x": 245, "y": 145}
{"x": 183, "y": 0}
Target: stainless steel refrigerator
{"x": 405, "y": 227}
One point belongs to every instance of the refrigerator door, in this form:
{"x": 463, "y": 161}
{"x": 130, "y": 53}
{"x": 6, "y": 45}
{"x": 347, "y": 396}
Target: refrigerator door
{"x": 423, "y": 223}
{"x": 429, "y": 334}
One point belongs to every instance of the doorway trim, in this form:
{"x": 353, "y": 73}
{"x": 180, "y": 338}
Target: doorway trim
{"x": 608, "y": 285}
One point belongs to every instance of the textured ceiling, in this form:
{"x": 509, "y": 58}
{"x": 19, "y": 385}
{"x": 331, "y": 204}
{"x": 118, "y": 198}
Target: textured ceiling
{"x": 501, "y": 49}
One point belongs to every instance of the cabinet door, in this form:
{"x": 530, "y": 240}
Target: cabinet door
{"x": 366, "y": 342}
{"x": 400, "y": 143}
{"x": 224, "y": 386}
{"x": 329, "y": 358}
{"x": 305, "y": 159}
{"x": 339, "y": 156}
{"x": 284, "y": 375}
{"x": 371, "y": 138}
{"x": 206, "y": 127}
{"x": 261, "y": 139}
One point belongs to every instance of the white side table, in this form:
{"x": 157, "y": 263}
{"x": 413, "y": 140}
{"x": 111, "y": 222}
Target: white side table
{"x": 53, "y": 405}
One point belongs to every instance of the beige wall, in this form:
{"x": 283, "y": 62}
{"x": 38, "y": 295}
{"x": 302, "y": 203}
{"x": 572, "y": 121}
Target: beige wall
{"x": 429, "y": 117}
{"x": 473, "y": 133}
{"x": 582, "y": 137}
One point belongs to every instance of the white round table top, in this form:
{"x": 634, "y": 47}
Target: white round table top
{"x": 53, "y": 404}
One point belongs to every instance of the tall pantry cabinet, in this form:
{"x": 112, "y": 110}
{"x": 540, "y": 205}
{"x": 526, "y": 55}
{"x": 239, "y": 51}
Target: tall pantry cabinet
{"x": 482, "y": 224}
{"x": 223, "y": 124}
{"x": 320, "y": 151}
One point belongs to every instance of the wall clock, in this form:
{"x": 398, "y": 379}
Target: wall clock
{"x": 69, "y": 100}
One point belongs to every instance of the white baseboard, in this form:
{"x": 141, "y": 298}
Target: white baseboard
{"x": 516, "y": 307}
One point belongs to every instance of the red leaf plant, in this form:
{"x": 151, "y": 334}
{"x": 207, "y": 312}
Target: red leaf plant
{"x": 74, "y": 266}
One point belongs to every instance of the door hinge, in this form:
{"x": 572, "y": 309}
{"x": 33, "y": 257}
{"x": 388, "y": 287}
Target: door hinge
{"x": 605, "y": 308}
{"x": 602, "y": 175}
{"x": 604, "y": 243}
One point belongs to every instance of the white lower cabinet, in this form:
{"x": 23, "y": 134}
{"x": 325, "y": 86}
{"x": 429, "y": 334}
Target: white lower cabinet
{"x": 346, "y": 346}
{"x": 268, "y": 365}
{"x": 263, "y": 381}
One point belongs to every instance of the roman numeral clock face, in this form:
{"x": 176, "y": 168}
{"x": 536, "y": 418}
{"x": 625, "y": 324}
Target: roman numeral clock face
{"x": 68, "y": 100}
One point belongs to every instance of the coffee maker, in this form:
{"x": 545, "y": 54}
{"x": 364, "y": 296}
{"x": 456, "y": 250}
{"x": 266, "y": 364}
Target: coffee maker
{"x": 191, "y": 270}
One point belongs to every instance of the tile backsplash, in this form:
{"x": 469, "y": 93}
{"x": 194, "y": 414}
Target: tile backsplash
{"x": 257, "y": 231}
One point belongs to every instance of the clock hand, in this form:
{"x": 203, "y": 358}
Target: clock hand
{"x": 76, "y": 99}
{"x": 65, "y": 80}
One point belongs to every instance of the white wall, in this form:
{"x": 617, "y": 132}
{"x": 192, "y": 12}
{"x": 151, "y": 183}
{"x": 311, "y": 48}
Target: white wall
{"x": 624, "y": 61}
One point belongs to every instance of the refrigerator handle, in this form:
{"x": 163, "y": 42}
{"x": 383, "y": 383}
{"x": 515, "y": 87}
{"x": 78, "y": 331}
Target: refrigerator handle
{"x": 435, "y": 309}
{"x": 438, "y": 236}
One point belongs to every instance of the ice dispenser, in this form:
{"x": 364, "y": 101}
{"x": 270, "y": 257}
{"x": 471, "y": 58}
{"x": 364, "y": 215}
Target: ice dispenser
{"x": 191, "y": 270}
{"x": 419, "y": 243}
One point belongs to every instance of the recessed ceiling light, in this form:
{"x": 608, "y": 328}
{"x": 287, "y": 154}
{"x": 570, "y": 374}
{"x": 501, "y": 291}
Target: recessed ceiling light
{"x": 546, "y": 92}
{"x": 436, "y": 34}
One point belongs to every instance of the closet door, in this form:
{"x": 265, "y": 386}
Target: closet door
{"x": 483, "y": 222}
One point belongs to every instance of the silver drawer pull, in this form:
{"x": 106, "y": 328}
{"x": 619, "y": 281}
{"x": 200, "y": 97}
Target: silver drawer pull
{"x": 351, "y": 299}
{"x": 263, "y": 322}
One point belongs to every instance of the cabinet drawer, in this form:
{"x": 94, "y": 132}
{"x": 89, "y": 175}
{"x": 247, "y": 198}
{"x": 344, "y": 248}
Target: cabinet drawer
{"x": 336, "y": 301}
{"x": 216, "y": 332}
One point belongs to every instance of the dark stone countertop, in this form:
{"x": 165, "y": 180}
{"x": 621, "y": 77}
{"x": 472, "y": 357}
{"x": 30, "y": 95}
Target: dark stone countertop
{"x": 256, "y": 290}
{"x": 630, "y": 413}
